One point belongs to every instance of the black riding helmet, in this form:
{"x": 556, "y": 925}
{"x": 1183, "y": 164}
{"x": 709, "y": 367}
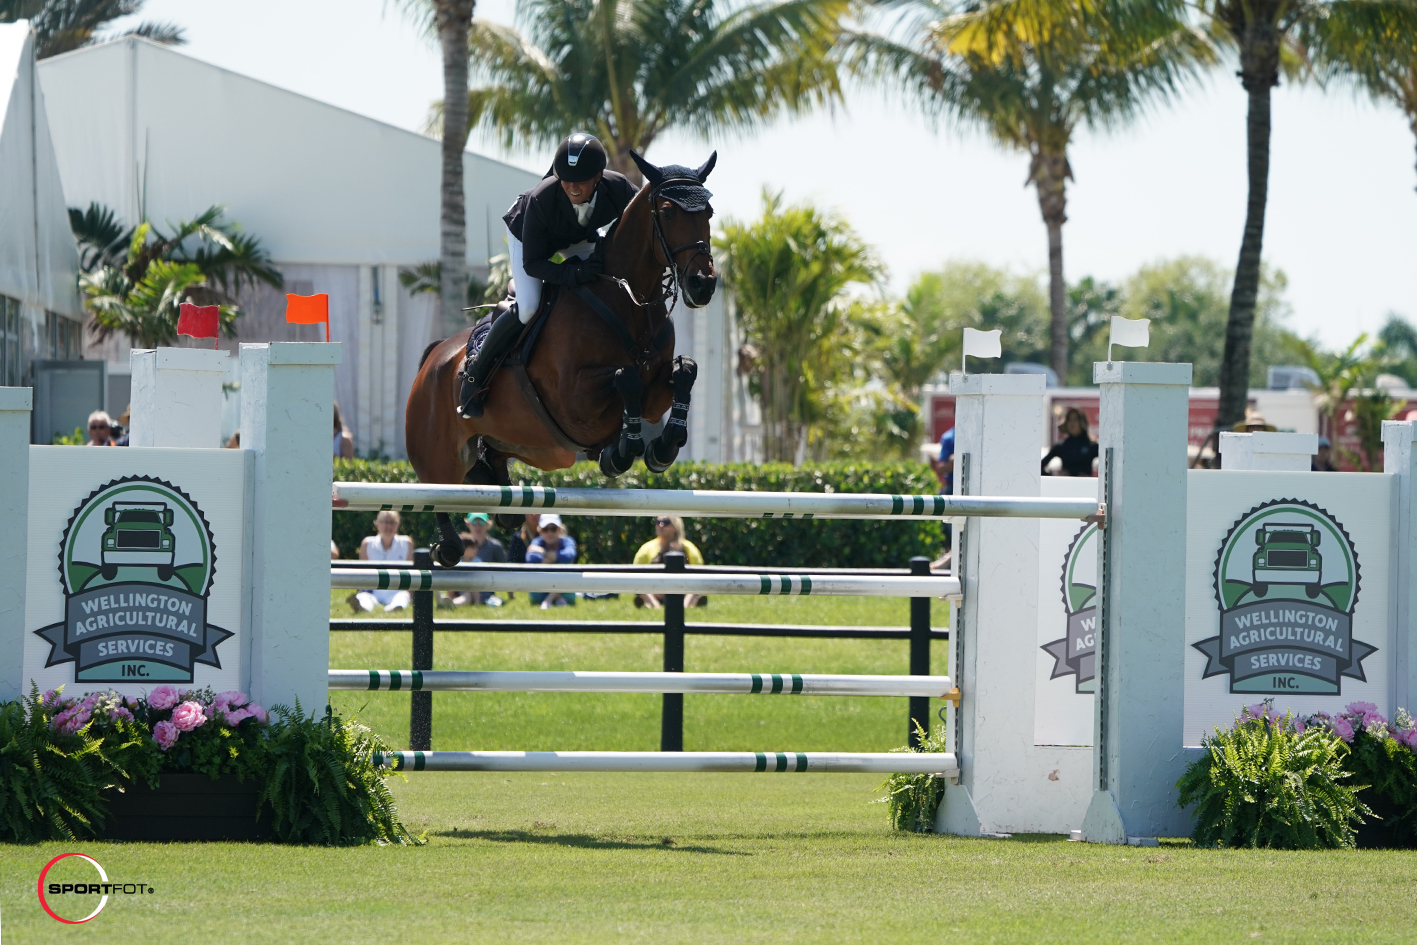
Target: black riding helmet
{"x": 579, "y": 158}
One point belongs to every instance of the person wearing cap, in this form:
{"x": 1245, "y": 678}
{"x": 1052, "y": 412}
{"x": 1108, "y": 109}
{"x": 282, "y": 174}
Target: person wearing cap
{"x": 1323, "y": 460}
{"x": 551, "y": 546}
{"x": 551, "y": 234}
{"x": 477, "y": 545}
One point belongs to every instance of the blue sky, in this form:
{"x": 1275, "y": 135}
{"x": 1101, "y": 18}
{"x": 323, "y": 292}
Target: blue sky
{"x": 1342, "y": 223}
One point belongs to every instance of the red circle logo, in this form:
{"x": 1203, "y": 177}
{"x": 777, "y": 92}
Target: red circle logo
{"x": 58, "y": 918}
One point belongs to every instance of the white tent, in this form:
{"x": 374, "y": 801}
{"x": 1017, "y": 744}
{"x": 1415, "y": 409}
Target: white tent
{"x": 39, "y": 262}
{"x": 341, "y": 201}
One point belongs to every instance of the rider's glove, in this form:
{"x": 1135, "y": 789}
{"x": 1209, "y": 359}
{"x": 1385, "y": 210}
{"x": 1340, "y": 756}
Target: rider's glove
{"x": 587, "y": 273}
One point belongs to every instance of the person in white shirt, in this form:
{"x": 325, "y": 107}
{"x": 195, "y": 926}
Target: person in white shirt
{"x": 387, "y": 545}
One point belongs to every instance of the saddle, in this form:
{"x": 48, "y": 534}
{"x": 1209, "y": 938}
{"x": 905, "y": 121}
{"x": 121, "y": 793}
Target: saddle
{"x": 520, "y": 354}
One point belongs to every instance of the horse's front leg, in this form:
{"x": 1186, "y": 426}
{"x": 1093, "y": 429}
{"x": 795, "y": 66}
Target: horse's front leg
{"x": 665, "y": 448}
{"x": 620, "y": 457}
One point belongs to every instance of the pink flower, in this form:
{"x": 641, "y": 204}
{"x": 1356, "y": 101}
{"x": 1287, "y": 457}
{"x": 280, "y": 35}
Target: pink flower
{"x": 188, "y": 716}
{"x": 1300, "y": 726}
{"x": 165, "y": 734}
{"x": 235, "y": 717}
{"x": 1343, "y": 729}
{"x": 120, "y": 713}
{"x": 254, "y": 711}
{"x": 1408, "y": 737}
{"x": 163, "y": 697}
{"x": 1361, "y": 708}
{"x": 51, "y": 699}
{"x": 70, "y": 720}
{"x": 231, "y": 698}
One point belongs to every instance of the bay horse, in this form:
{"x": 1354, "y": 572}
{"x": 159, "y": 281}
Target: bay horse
{"x": 604, "y": 359}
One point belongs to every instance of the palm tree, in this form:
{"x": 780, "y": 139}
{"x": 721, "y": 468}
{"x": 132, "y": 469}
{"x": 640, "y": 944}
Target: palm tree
{"x": 451, "y": 21}
{"x": 134, "y": 278}
{"x": 788, "y": 273}
{"x": 1268, "y": 34}
{"x": 628, "y": 70}
{"x": 1383, "y": 61}
{"x": 1029, "y": 73}
{"x": 61, "y": 26}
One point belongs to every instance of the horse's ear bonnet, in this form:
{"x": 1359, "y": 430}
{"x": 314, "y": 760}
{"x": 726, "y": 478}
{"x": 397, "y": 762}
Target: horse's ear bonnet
{"x": 684, "y": 186}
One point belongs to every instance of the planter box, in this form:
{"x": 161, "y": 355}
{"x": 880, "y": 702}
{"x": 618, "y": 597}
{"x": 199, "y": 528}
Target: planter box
{"x": 187, "y": 807}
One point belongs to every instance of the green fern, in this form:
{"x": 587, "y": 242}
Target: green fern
{"x": 913, "y": 799}
{"x": 322, "y": 785}
{"x": 52, "y": 784}
{"x": 1262, "y": 784}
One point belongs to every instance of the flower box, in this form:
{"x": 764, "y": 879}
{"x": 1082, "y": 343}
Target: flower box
{"x": 187, "y": 806}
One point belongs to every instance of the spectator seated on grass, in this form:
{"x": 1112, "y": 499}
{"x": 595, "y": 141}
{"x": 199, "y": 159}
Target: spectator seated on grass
{"x": 669, "y": 536}
{"x": 386, "y": 545}
{"x": 551, "y": 546}
{"x": 477, "y": 545}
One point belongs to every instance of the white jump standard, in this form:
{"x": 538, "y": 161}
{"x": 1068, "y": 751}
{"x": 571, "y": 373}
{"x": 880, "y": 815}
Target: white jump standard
{"x": 810, "y": 762}
{"x": 406, "y": 497}
{"x": 631, "y": 582}
{"x": 792, "y": 684}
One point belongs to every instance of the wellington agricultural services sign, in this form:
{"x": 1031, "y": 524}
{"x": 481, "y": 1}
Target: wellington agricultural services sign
{"x": 136, "y": 562}
{"x": 135, "y": 569}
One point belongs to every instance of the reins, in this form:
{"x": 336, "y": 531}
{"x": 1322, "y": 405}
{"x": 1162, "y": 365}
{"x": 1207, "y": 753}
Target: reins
{"x": 669, "y": 281}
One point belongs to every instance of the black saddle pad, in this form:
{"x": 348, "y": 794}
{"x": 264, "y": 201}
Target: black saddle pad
{"x": 529, "y": 334}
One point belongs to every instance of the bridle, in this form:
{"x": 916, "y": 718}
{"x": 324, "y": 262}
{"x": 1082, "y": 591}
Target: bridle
{"x": 669, "y": 284}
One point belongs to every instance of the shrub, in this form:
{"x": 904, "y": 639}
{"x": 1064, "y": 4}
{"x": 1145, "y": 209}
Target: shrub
{"x": 323, "y": 786}
{"x": 60, "y": 757}
{"x": 1269, "y": 782}
{"x": 54, "y": 772}
{"x": 913, "y": 799}
{"x": 1381, "y": 756}
{"x": 729, "y": 541}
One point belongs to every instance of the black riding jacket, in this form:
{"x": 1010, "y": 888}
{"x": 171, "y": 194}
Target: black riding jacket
{"x": 545, "y": 221}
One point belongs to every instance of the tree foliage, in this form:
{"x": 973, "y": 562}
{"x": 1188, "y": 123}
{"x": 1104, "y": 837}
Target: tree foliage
{"x": 62, "y": 26}
{"x": 789, "y": 274}
{"x": 629, "y": 70}
{"x": 135, "y": 278}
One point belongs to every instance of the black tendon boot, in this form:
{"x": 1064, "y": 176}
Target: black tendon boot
{"x": 477, "y": 373}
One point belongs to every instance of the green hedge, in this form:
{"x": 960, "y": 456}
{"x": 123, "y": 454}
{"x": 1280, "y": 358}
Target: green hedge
{"x": 730, "y": 541}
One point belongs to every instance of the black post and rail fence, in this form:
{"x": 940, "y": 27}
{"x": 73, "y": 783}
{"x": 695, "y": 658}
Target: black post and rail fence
{"x": 920, "y": 634}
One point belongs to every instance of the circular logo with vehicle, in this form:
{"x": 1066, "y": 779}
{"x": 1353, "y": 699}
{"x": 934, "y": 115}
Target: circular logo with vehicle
{"x": 1076, "y": 653}
{"x": 1286, "y": 580}
{"x": 136, "y": 563}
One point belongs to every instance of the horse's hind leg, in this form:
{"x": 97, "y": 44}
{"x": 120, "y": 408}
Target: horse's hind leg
{"x": 665, "y": 448}
{"x": 620, "y": 457}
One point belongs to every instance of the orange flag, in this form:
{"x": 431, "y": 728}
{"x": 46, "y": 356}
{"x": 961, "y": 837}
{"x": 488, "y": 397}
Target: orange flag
{"x": 309, "y": 310}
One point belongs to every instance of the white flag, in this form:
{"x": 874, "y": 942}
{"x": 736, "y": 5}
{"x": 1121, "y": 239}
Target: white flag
{"x": 982, "y": 344}
{"x": 1130, "y": 332}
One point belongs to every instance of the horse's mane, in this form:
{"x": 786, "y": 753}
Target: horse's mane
{"x": 635, "y": 216}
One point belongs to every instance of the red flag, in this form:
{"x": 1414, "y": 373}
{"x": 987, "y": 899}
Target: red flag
{"x": 198, "y": 321}
{"x": 309, "y": 310}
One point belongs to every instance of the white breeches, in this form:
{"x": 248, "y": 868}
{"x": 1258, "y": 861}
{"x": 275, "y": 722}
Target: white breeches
{"x": 528, "y": 286}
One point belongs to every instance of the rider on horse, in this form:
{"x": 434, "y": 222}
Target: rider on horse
{"x": 559, "y": 216}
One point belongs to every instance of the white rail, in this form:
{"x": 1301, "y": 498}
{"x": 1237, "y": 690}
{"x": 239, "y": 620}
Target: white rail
{"x": 631, "y": 582}
{"x": 795, "y": 684}
{"x": 810, "y": 762}
{"x": 416, "y": 497}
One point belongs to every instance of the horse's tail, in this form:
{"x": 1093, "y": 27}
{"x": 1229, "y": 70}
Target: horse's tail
{"x": 429, "y": 350}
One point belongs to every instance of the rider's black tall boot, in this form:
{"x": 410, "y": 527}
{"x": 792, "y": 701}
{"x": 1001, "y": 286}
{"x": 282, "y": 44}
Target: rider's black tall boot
{"x": 499, "y": 341}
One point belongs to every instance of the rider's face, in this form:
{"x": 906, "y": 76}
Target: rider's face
{"x": 580, "y": 191}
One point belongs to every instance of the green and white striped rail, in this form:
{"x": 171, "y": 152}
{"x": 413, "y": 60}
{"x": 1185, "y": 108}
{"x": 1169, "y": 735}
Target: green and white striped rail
{"x": 809, "y": 762}
{"x": 788, "y": 684}
{"x": 417, "y": 497}
{"x": 570, "y": 580}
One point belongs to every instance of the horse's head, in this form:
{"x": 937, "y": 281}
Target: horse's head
{"x": 680, "y": 204}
